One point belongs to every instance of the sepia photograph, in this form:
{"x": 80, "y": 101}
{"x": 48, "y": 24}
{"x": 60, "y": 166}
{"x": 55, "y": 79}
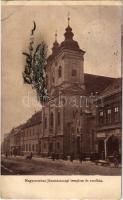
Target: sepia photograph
{"x": 61, "y": 90}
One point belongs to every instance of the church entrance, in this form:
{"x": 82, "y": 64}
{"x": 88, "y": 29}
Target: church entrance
{"x": 50, "y": 147}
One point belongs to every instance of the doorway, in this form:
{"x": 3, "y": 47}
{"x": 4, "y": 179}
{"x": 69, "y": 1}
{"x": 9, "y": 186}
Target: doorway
{"x": 112, "y": 145}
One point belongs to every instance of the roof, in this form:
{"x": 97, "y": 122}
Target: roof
{"x": 113, "y": 88}
{"x": 35, "y": 119}
{"x": 96, "y": 83}
{"x": 69, "y": 43}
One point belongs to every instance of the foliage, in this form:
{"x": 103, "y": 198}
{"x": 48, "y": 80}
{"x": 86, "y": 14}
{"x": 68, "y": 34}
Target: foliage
{"x": 35, "y": 68}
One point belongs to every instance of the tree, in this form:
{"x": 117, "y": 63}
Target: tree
{"x": 35, "y": 68}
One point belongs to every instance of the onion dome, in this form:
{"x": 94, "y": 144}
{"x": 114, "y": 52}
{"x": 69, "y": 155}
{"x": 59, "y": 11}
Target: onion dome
{"x": 68, "y": 34}
{"x": 55, "y": 45}
{"x": 68, "y": 42}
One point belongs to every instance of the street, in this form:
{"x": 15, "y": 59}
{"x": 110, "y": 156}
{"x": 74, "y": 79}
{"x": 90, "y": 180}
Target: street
{"x": 44, "y": 166}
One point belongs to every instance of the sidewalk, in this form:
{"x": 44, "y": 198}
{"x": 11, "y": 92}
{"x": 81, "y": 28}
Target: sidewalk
{"x": 65, "y": 162}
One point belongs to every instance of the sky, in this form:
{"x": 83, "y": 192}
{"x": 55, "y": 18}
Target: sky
{"x": 96, "y": 28}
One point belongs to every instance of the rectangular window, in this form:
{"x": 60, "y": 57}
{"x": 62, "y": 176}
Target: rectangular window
{"x": 109, "y": 115}
{"x": 101, "y": 117}
{"x": 101, "y": 113}
{"x": 74, "y": 72}
{"x": 116, "y": 109}
{"x": 116, "y": 114}
{"x": 109, "y": 111}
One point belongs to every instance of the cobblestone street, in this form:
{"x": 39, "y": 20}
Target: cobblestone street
{"x": 44, "y": 166}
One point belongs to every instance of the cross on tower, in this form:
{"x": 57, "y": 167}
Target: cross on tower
{"x": 56, "y": 35}
{"x": 68, "y": 18}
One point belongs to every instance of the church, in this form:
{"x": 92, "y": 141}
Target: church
{"x": 82, "y": 116}
{"x": 69, "y": 118}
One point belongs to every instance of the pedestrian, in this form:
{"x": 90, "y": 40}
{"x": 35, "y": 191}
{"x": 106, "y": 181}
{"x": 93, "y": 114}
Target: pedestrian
{"x": 116, "y": 161}
{"x": 80, "y": 158}
{"x": 53, "y": 156}
{"x": 71, "y": 157}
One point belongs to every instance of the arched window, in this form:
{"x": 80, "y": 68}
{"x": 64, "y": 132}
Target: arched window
{"x": 60, "y": 72}
{"x": 59, "y": 118}
{"x": 53, "y": 77}
{"x": 33, "y": 147}
{"x": 74, "y": 72}
{"x": 51, "y": 119}
{"x": 45, "y": 122}
{"x": 26, "y": 147}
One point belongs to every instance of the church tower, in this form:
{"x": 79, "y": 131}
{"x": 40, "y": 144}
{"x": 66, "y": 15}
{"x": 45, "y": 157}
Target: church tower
{"x": 61, "y": 120}
{"x": 66, "y": 63}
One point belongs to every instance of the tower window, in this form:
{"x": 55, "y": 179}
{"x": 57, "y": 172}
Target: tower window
{"x": 74, "y": 72}
{"x": 60, "y": 72}
{"x": 53, "y": 79}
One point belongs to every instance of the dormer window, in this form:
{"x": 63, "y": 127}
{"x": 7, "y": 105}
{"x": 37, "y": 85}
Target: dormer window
{"x": 60, "y": 72}
{"x": 74, "y": 72}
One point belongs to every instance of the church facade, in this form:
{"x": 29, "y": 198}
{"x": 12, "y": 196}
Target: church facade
{"x": 66, "y": 118}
